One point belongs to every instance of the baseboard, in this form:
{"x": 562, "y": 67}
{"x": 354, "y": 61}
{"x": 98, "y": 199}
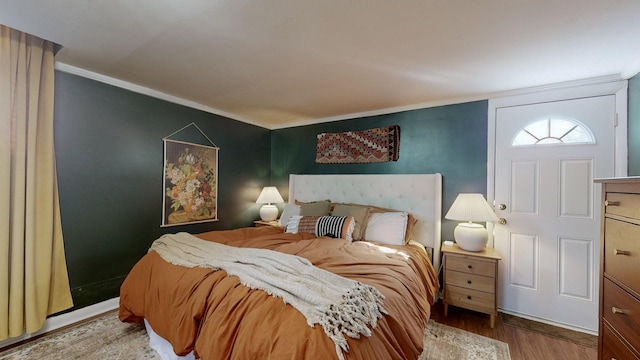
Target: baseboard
{"x": 550, "y": 322}
{"x": 60, "y": 321}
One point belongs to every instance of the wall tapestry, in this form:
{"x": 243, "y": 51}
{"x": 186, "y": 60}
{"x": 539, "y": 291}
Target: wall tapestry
{"x": 367, "y": 146}
{"x": 190, "y": 182}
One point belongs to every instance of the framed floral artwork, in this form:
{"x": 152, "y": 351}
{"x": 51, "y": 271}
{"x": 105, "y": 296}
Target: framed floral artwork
{"x": 190, "y": 183}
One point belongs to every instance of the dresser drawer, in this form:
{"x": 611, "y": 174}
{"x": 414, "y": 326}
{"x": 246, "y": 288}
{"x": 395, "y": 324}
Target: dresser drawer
{"x": 613, "y": 347}
{"x": 627, "y": 205}
{"x": 466, "y": 280}
{"x": 470, "y": 299}
{"x": 624, "y": 239}
{"x": 622, "y": 311}
{"x": 471, "y": 265}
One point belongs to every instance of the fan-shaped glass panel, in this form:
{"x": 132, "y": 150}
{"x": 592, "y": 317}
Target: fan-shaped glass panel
{"x": 553, "y": 131}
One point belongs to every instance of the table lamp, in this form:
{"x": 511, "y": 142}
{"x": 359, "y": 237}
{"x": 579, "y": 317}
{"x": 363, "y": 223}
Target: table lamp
{"x": 269, "y": 196}
{"x": 469, "y": 208}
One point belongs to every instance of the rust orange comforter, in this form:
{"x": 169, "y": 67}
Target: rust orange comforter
{"x": 213, "y": 314}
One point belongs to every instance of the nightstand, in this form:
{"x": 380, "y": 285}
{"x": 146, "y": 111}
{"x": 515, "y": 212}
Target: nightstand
{"x": 259, "y": 223}
{"x": 471, "y": 280}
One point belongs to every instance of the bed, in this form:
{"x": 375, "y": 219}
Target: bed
{"x": 204, "y": 312}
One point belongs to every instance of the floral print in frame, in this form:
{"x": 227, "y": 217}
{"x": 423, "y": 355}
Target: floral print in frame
{"x": 190, "y": 183}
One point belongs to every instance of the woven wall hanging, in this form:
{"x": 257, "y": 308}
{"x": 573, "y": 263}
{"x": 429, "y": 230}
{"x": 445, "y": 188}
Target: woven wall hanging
{"x": 357, "y": 147}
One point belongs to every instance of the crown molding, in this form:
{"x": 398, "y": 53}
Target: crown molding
{"x": 461, "y": 100}
{"x": 443, "y": 102}
{"x": 150, "y": 92}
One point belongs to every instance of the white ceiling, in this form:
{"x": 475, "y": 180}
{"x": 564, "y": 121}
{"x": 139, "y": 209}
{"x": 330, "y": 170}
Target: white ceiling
{"x": 289, "y": 62}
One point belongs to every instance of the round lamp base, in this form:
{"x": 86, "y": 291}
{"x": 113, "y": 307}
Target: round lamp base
{"x": 268, "y": 212}
{"x": 470, "y": 236}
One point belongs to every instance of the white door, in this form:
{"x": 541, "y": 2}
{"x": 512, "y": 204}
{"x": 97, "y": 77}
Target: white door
{"x": 546, "y": 158}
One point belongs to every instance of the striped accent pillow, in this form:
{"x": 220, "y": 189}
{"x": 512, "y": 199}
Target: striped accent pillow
{"x": 336, "y": 227}
{"x": 331, "y": 226}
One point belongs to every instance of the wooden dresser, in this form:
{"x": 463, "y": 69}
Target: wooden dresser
{"x": 619, "y": 328}
{"x": 471, "y": 280}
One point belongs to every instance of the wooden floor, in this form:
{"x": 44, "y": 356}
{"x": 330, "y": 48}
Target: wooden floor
{"x": 523, "y": 344}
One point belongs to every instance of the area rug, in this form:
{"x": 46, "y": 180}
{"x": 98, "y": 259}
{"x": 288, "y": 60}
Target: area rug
{"x": 550, "y": 330}
{"x": 442, "y": 342}
{"x": 105, "y": 337}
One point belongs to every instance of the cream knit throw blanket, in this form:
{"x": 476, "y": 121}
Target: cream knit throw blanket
{"x": 341, "y": 306}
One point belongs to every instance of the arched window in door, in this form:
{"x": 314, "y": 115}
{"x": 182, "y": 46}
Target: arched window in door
{"x": 553, "y": 130}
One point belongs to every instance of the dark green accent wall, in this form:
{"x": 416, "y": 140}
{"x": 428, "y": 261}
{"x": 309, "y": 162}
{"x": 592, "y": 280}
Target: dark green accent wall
{"x": 109, "y": 162}
{"x": 451, "y": 140}
{"x": 109, "y": 155}
{"x": 634, "y": 126}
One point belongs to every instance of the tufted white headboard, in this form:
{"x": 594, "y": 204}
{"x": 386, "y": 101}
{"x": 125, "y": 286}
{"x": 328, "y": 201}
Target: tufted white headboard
{"x": 419, "y": 194}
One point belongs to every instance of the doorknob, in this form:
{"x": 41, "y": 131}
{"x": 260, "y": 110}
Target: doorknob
{"x": 502, "y": 221}
{"x": 502, "y": 206}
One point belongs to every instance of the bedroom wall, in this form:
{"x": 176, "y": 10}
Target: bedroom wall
{"x": 109, "y": 161}
{"x": 449, "y": 139}
{"x": 109, "y": 154}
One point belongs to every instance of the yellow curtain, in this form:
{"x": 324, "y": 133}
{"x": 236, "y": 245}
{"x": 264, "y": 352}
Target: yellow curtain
{"x": 33, "y": 275}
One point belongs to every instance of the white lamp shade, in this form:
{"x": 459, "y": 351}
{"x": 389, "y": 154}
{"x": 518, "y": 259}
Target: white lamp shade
{"x": 269, "y": 195}
{"x": 471, "y": 207}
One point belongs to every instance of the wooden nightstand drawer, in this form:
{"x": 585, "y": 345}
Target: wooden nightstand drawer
{"x": 470, "y": 299}
{"x": 471, "y": 265}
{"x": 472, "y": 281}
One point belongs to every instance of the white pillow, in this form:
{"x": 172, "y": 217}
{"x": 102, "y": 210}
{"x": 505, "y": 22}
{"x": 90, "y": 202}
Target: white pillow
{"x": 292, "y": 224}
{"x": 288, "y": 212}
{"x": 387, "y": 228}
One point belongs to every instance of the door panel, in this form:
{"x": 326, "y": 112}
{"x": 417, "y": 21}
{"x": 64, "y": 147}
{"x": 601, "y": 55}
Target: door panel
{"x": 574, "y": 183}
{"x": 552, "y": 230}
{"x": 524, "y": 184}
{"x": 576, "y": 260}
{"x": 524, "y": 252}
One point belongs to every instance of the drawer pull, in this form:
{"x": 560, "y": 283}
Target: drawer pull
{"x": 611, "y": 203}
{"x": 617, "y": 310}
{"x": 621, "y": 252}
{"x": 469, "y": 282}
{"x": 468, "y": 297}
{"x": 469, "y": 266}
